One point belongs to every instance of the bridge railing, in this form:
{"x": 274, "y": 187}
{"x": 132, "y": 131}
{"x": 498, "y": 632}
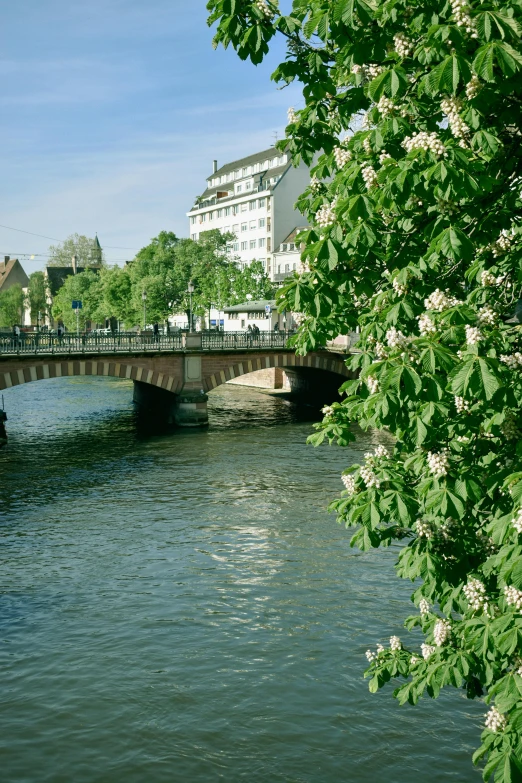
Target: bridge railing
{"x": 130, "y": 342}
{"x": 229, "y": 341}
{"x": 33, "y": 343}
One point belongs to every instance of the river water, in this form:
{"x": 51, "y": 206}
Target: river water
{"x": 181, "y": 608}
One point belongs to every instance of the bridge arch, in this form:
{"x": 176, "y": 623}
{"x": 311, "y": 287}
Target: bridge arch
{"x": 226, "y": 371}
{"x": 44, "y": 369}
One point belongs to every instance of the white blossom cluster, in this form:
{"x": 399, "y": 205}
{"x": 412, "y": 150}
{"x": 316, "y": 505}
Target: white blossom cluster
{"x": 367, "y": 145}
{"x": 367, "y": 71}
{"x": 513, "y": 360}
{"x": 460, "y": 9}
{"x": 291, "y": 115}
{"x": 461, "y": 404}
{"x": 518, "y": 666}
{"x": 487, "y": 279}
{"x": 426, "y": 325}
{"x": 487, "y": 316}
{"x": 425, "y": 141}
{"x": 503, "y": 243}
{"x": 372, "y": 384}
{"x": 395, "y": 643}
{"x": 371, "y": 656}
{"x": 380, "y": 350}
{"x": 369, "y": 477}
{"x": 414, "y": 660}
{"x": 424, "y": 529}
{"x": 325, "y": 215}
{"x": 327, "y": 410}
{"x": 402, "y": 44}
{"x": 424, "y": 606}
{"x": 513, "y": 596}
{"x": 451, "y": 107}
{"x": 438, "y": 462}
{"x": 441, "y": 632}
{"x": 385, "y": 105}
{"x": 380, "y": 452}
{"x": 380, "y": 649}
{"x": 315, "y": 184}
{"x": 396, "y": 339}
{"x": 427, "y": 650}
{"x": 440, "y": 301}
{"x": 473, "y": 335}
{"x": 517, "y": 521}
{"x": 495, "y": 721}
{"x": 399, "y": 288}
{"x": 369, "y": 176}
{"x": 349, "y": 483}
{"x": 475, "y": 593}
{"x": 264, "y": 8}
{"x": 473, "y": 87}
{"x": 384, "y": 156}
{"x": 342, "y": 156}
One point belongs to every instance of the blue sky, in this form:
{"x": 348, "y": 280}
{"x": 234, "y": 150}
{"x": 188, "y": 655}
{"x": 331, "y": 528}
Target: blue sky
{"x": 112, "y": 112}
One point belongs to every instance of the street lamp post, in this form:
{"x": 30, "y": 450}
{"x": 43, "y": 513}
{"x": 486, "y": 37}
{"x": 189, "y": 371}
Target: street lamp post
{"x": 144, "y": 300}
{"x": 190, "y": 289}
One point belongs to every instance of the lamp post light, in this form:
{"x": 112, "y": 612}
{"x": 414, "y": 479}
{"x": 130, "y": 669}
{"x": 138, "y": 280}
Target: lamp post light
{"x": 144, "y": 300}
{"x": 190, "y": 289}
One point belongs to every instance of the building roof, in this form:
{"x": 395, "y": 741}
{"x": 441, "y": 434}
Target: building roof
{"x": 57, "y": 275}
{"x": 228, "y": 187}
{"x": 250, "y": 160}
{"x": 291, "y": 237}
{"x": 12, "y": 273}
{"x": 249, "y": 307}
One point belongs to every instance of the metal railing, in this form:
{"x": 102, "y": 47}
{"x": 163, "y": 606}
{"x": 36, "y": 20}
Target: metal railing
{"x": 33, "y": 343}
{"x": 229, "y": 341}
{"x": 129, "y": 343}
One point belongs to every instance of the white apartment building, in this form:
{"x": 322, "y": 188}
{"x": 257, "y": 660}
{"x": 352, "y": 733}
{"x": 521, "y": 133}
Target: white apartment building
{"x": 253, "y": 198}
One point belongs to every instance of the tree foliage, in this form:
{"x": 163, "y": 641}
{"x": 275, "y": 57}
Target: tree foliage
{"x": 84, "y": 248}
{"x": 412, "y": 116}
{"x": 37, "y": 296}
{"x": 11, "y": 306}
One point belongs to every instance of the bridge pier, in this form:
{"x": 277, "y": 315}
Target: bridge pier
{"x": 188, "y": 409}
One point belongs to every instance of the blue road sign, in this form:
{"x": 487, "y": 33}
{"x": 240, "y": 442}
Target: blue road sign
{"x": 268, "y": 309}
{"x": 76, "y": 304}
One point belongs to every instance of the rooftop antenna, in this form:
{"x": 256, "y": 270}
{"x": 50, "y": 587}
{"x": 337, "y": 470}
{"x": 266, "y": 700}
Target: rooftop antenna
{"x": 276, "y": 138}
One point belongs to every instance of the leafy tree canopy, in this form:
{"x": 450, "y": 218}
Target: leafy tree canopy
{"x": 411, "y": 118}
{"x": 84, "y": 248}
{"x": 37, "y": 296}
{"x": 11, "y": 306}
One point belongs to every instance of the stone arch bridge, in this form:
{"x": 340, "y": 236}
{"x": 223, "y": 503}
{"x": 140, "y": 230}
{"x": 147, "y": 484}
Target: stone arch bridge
{"x": 174, "y": 382}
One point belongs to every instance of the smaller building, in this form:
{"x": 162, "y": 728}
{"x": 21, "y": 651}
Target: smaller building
{"x": 12, "y": 273}
{"x": 287, "y": 258}
{"x": 261, "y": 313}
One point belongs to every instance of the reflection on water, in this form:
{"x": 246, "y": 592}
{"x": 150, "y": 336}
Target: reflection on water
{"x": 181, "y": 608}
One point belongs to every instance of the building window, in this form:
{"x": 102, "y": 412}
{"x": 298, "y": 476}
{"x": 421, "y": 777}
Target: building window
{"x": 291, "y": 246}
{"x": 283, "y": 248}
{"x": 233, "y": 316}
{"x": 287, "y": 267}
{"x": 239, "y": 188}
{"x": 268, "y": 204}
{"x": 248, "y": 186}
{"x": 253, "y": 225}
{"x": 194, "y": 237}
{"x": 269, "y": 244}
{"x": 294, "y": 267}
{"x": 220, "y": 213}
{"x": 261, "y": 203}
{"x": 235, "y": 209}
{"x": 261, "y": 222}
{"x": 252, "y": 244}
{"x": 244, "y": 245}
{"x": 244, "y": 226}
{"x": 211, "y": 216}
{"x": 268, "y": 224}
{"x": 235, "y": 228}
{"x": 261, "y": 242}
{"x": 227, "y": 211}
{"x": 192, "y": 220}
{"x": 245, "y": 171}
{"x": 244, "y": 206}
{"x": 255, "y": 315}
{"x": 235, "y": 247}
{"x": 236, "y": 174}
{"x": 252, "y": 205}
{"x": 279, "y": 269}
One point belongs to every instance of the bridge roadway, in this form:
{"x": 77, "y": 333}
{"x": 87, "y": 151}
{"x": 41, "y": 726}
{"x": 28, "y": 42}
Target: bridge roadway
{"x": 172, "y": 374}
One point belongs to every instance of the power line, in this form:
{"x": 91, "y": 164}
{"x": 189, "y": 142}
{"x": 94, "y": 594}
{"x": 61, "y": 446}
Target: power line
{"x": 13, "y": 253}
{"x": 42, "y": 236}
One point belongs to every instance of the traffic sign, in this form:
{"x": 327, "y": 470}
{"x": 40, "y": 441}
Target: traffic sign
{"x": 268, "y": 309}
{"x": 76, "y": 304}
